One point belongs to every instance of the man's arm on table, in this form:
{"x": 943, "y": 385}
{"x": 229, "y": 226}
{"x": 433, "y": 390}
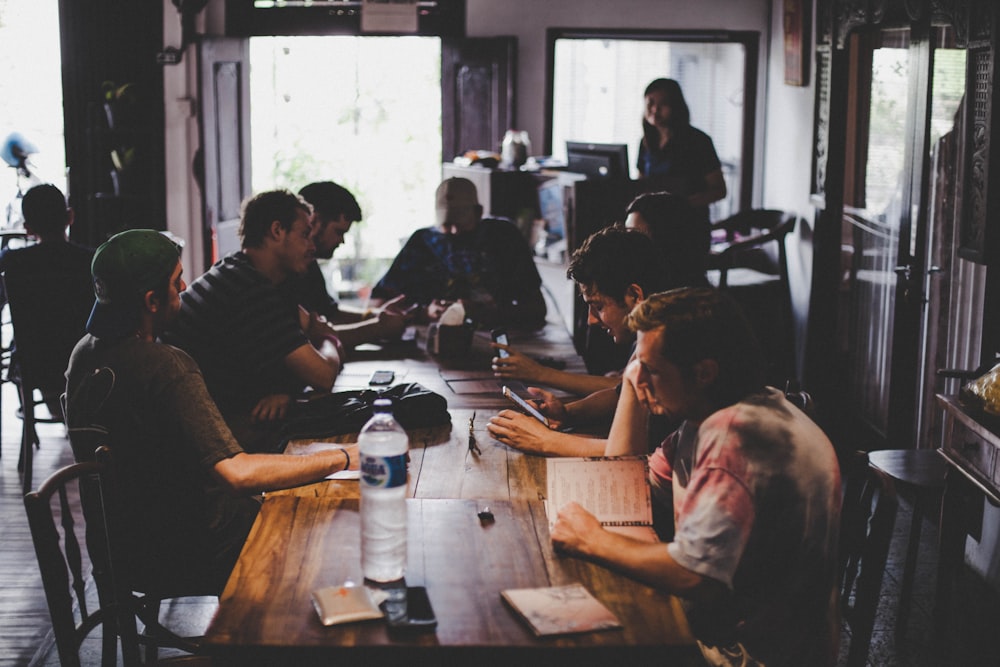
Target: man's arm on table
{"x": 629, "y": 430}
{"x": 519, "y": 366}
{"x": 578, "y": 533}
{"x": 594, "y": 407}
{"x": 530, "y": 436}
{"x": 318, "y": 362}
{"x": 252, "y": 473}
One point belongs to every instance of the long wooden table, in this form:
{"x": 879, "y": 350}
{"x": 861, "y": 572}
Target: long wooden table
{"x": 308, "y": 538}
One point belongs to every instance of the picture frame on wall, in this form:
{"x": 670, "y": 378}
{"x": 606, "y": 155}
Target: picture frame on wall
{"x": 797, "y": 28}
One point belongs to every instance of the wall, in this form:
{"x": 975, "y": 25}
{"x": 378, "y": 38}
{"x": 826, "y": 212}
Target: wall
{"x": 527, "y": 20}
{"x": 787, "y": 160}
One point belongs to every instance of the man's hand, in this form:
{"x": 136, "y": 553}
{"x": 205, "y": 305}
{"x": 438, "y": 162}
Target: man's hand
{"x": 436, "y": 308}
{"x": 396, "y": 306}
{"x": 391, "y": 324}
{"x": 354, "y": 454}
{"x": 517, "y": 366}
{"x": 576, "y": 530}
{"x": 520, "y": 431}
{"x": 271, "y": 408}
{"x": 549, "y": 405}
{"x": 643, "y": 395}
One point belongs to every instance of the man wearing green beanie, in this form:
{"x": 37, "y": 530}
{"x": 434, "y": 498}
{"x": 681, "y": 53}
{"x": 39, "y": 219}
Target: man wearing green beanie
{"x": 184, "y": 486}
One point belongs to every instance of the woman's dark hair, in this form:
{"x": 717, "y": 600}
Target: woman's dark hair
{"x": 680, "y": 234}
{"x": 704, "y": 323}
{"x": 680, "y": 115}
{"x": 259, "y": 211}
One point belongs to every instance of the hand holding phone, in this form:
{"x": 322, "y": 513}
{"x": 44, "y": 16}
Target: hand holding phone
{"x": 525, "y": 406}
{"x": 500, "y": 336}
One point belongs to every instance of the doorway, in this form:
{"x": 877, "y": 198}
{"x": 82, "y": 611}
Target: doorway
{"x": 905, "y": 294}
{"x": 339, "y": 108}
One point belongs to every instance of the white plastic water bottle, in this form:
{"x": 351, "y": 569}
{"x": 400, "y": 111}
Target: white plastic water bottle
{"x": 382, "y": 445}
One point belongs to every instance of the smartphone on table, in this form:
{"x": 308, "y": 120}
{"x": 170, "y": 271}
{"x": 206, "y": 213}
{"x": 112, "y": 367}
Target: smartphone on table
{"x": 413, "y": 612}
{"x": 525, "y": 405}
{"x": 380, "y": 378}
{"x": 500, "y": 336}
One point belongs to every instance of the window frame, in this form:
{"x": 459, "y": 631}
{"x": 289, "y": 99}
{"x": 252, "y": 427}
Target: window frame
{"x": 748, "y": 38}
{"x": 435, "y": 18}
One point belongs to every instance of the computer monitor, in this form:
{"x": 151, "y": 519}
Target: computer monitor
{"x": 609, "y": 161}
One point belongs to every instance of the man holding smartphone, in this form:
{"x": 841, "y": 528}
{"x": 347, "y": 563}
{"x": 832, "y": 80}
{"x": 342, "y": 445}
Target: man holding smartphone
{"x": 485, "y": 263}
{"x": 335, "y": 210}
{"x": 615, "y": 269}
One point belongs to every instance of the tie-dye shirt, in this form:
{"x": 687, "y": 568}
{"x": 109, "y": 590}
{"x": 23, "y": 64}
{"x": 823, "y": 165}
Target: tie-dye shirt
{"x": 756, "y": 498}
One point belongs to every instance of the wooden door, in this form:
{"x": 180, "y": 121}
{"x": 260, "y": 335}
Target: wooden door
{"x": 224, "y": 169}
{"x": 883, "y": 225}
{"x": 477, "y": 93}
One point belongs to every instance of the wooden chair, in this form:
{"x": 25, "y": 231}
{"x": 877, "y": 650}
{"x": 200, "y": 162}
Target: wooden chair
{"x": 867, "y": 518}
{"x": 752, "y": 264}
{"x": 920, "y": 473}
{"x": 80, "y": 586}
{"x": 88, "y": 437}
{"x": 49, "y": 311}
{"x": 60, "y": 559}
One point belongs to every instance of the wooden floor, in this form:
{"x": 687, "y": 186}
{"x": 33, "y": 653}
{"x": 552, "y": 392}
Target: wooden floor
{"x": 24, "y": 616}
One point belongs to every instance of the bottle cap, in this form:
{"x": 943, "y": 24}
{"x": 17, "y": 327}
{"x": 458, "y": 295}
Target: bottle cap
{"x": 382, "y": 405}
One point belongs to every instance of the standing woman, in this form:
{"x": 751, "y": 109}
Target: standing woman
{"x": 674, "y": 156}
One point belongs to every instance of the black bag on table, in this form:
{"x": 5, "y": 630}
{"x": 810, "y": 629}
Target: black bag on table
{"x": 413, "y": 406}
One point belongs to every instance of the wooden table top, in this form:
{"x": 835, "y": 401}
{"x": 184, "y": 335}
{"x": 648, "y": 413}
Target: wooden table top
{"x": 300, "y": 544}
{"x": 309, "y": 537}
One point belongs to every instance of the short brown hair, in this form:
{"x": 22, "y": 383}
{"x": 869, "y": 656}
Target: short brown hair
{"x": 259, "y": 211}
{"x": 703, "y": 323}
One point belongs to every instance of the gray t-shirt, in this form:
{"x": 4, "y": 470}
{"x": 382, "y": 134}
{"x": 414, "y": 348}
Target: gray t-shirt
{"x": 166, "y": 434}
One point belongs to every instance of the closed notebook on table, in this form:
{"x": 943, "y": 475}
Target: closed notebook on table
{"x": 560, "y": 610}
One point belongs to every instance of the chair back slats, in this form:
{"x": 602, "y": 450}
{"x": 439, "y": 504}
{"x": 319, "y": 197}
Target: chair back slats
{"x": 756, "y": 240}
{"x": 60, "y": 559}
{"x": 868, "y": 516}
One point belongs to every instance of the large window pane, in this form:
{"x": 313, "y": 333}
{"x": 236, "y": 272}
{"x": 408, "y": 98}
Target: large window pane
{"x": 31, "y": 90}
{"x": 598, "y": 89}
{"x": 340, "y": 108}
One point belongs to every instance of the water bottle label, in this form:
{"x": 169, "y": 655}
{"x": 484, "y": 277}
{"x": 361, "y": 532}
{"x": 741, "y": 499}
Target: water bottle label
{"x": 383, "y": 472}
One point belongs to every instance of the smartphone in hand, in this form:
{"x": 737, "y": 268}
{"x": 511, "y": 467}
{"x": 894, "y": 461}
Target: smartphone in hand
{"x": 500, "y": 336}
{"x": 525, "y": 406}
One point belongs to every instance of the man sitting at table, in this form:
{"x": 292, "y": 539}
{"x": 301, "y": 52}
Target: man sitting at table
{"x": 334, "y": 211}
{"x": 257, "y": 348}
{"x": 47, "y": 217}
{"x": 755, "y": 489}
{"x": 185, "y": 483}
{"x": 615, "y": 269}
{"x": 485, "y": 263}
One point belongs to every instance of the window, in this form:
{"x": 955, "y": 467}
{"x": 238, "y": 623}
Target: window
{"x": 598, "y": 81}
{"x": 338, "y": 108}
{"x": 31, "y": 90}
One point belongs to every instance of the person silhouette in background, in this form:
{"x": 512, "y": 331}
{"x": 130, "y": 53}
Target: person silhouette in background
{"x": 674, "y": 156}
{"x": 52, "y": 263}
{"x": 674, "y": 226}
{"x": 485, "y": 263}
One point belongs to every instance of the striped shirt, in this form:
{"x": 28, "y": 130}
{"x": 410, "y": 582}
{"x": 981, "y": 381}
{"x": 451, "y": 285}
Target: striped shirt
{"x": 239, "y": 327}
